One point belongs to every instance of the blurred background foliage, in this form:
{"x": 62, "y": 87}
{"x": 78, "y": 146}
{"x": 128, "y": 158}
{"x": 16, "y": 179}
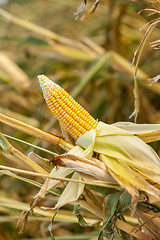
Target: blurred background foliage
{"x": 90, "y": 59}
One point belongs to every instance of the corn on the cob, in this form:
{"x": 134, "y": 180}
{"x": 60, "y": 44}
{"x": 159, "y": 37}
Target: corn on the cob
{"x": 75, "y": 119}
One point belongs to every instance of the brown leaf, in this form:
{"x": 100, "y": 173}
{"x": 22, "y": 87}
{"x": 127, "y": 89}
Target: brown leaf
{"x": 91, "y": 11}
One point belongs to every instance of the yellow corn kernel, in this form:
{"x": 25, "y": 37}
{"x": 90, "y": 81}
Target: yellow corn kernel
{"x": 75, "y": 119}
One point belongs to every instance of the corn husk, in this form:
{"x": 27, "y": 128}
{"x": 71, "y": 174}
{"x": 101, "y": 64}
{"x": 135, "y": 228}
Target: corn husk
{"x": 130, "y": 161}
{"x": 123, "y": 159}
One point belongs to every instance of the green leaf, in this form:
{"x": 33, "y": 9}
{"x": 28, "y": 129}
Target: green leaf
{"x": 112, "y": 205}
{"x": 8, "y": 39}
{"x": 103, "y": 190}
{"x": 51, "y": 225}
{"x": 34, "y": 41}
{"x": 111, "y": 210}
{"x": 124, "y": 201}
{"x": 80, "y": 218}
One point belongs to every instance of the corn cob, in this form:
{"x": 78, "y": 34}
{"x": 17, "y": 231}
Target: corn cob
{"x": 74, "y": 118}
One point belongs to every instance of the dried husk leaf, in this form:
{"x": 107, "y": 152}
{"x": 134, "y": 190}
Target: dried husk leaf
{"x": 92, "y": 168}
{"x": 147, "y": 132}
{"x": 125, "y": 155}
{"x": 71, "y": 192}
{"x": 138, "y": 129}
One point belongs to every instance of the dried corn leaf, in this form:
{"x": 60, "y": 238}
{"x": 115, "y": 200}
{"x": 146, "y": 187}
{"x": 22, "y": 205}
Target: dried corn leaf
{"x": 16, "y": 74}
{"x": 91, "y": 11}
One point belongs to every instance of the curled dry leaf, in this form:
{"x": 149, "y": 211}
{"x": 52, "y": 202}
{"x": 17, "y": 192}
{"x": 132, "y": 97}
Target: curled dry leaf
{"x": 86, "y": 166}
{"x": 89, "y": 13}
{"x": 81, "y": 8}
{"x": 137, "y": 55}
{"x": 154, "y": 79}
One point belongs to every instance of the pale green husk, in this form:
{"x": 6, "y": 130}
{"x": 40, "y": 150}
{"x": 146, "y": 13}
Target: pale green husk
{"x": 129, "y": 159}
